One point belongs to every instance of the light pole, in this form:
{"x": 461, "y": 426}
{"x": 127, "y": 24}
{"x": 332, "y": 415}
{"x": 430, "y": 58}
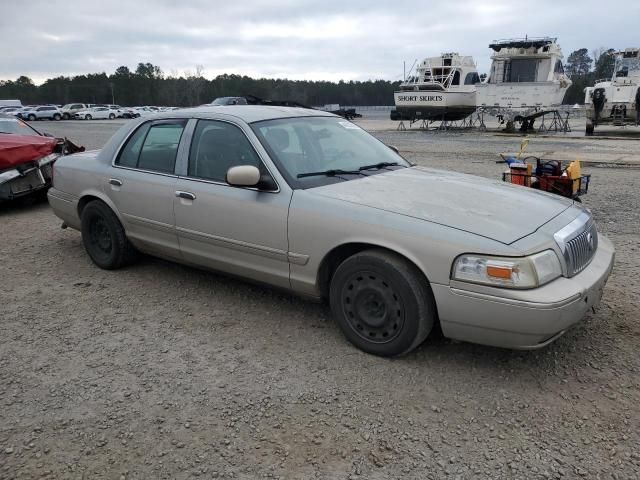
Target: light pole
{"x": 113, "y": 98}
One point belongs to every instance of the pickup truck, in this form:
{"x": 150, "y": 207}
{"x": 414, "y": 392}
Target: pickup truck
{"x": 69, "y": 110}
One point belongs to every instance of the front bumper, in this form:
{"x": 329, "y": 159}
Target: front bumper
{"x": 532, "y": 320}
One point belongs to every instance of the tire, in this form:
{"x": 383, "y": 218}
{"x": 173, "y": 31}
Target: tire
{"x": 57, "y": 117}
{"x": 382, "y": 303}
{"x": 66, "y": 116}
{"x": 31, "y": 118}
{"x": 111, "y": 116}
{"x": 104, "y": 237}
{"x": 88, "y": 117}
{"x": 589, "y": 129}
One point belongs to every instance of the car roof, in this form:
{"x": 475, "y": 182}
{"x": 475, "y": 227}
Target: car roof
{"x": 247, "y": 113}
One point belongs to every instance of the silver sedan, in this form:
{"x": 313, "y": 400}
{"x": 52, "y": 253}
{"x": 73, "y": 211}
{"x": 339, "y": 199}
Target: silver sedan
{"x": 309, "y": 202}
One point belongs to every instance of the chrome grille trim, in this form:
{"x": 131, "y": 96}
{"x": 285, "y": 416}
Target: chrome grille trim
{"x": 578, "y": 243}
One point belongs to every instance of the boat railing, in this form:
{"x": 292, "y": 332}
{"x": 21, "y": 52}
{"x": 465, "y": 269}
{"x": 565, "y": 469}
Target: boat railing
{"x": 526, "y": 39}
{"x": 444, "y": 80}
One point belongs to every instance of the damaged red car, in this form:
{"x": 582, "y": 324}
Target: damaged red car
{"x": 27, "y": 157}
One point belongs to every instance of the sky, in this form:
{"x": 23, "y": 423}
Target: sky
{"x": 313, "y": 40}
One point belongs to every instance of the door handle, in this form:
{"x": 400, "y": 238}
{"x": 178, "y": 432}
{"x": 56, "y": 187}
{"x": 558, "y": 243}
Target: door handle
{"x": 116, "y": 182}
{"x": 186, "y": 195}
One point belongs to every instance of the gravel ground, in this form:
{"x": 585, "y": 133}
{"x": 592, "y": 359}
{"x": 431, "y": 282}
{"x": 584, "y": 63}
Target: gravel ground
{"x": 164, "y": 371}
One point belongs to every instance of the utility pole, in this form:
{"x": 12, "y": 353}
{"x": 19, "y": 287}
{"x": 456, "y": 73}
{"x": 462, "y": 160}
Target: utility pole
{"x": 113, "y": 98}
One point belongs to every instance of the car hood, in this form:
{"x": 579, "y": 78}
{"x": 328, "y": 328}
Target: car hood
{"x": 485, "y": 207}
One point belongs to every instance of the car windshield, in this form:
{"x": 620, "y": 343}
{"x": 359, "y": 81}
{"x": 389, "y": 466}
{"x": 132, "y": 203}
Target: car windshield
{"x": 16, "y": 126}
{"x": 314, "y": 151}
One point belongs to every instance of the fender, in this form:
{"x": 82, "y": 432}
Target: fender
{"x": 100, "y": 195}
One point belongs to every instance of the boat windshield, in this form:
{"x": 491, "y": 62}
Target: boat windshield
{"x": 626, "y": 66}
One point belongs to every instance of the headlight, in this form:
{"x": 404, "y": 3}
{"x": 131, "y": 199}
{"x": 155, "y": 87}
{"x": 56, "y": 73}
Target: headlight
{"x": 508, "y": 272}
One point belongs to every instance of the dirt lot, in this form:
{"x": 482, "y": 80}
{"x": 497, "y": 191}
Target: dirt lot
{"x": 163, "y": 371}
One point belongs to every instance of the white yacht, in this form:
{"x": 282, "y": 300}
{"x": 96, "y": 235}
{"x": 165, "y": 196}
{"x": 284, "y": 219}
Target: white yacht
{"x": 526, "y": 74}
{"x": 616, "y": 100}
{"x": 442, "y": 88}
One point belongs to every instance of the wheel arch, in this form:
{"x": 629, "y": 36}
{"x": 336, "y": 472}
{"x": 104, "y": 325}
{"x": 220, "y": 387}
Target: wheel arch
{"x": 338, "y": 254}
{"x": 92, "y": 195}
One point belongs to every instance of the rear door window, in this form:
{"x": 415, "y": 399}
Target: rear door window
{"x": 153, "y": 146}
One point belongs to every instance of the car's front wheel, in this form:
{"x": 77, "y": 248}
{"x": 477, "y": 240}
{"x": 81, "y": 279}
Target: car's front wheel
{"x": 66, "y": 116}
{"x": 111, "y": 116}
{"x": 57, "y": 117}
{"x": 382, "y": 303}
{"x": 31, "y": 118}
{"x": 87, "y": 117}
{"x": 104, "y": 237}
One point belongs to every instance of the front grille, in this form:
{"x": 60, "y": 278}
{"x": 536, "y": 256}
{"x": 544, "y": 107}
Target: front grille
{"x": 581, "y": 250}
{"x": 578, "y": 242}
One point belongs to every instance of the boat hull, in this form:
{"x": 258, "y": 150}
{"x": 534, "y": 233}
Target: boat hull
{"x": 435, "y": 105}
{"x": 522, "y": 95}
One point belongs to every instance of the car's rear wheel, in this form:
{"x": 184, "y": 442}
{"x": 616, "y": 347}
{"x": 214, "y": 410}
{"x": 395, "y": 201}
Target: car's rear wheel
{"x": 104, "y": 237}
{"x": 382, "y": 303}
{"x": 57, "y": 117}
{"x": 111, "y": 116}
{"x": 87, "y": 117}
{"x": 31, "y": 118}
{"x": 66, "y": 116}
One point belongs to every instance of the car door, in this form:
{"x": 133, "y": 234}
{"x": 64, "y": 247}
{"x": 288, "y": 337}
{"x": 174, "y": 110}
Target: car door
{"x": 238, "y": 230}
{"x": 142, "y": 185}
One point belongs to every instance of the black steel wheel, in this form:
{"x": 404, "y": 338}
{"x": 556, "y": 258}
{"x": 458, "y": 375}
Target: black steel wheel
{"x": 104, "y": 237}
{"x": 382, "y": 303}
{"x": 374, "y": 311}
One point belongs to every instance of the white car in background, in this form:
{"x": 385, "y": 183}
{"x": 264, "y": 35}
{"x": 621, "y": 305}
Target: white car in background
{"x": 11, "y": 110}
{"x": 97, "y": 113}
{"x": 143, "y": 111}
{"x": 40, "y": 112}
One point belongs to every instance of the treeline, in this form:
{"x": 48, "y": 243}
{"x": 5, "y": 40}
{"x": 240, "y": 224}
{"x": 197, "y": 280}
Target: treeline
{"x": 585, "y": 69}
{"x": 148, "y": 85}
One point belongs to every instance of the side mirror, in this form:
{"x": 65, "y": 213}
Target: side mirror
{"x": 243, "y": 176}
{"x": 394, "y": 148}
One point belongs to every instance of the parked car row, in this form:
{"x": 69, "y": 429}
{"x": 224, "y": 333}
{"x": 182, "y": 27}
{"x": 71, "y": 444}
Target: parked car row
{"x": 80, "y": 111}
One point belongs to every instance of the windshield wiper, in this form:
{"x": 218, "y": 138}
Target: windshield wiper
{"x": 330, "y": 173}
{"x": 378, "y": 166}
